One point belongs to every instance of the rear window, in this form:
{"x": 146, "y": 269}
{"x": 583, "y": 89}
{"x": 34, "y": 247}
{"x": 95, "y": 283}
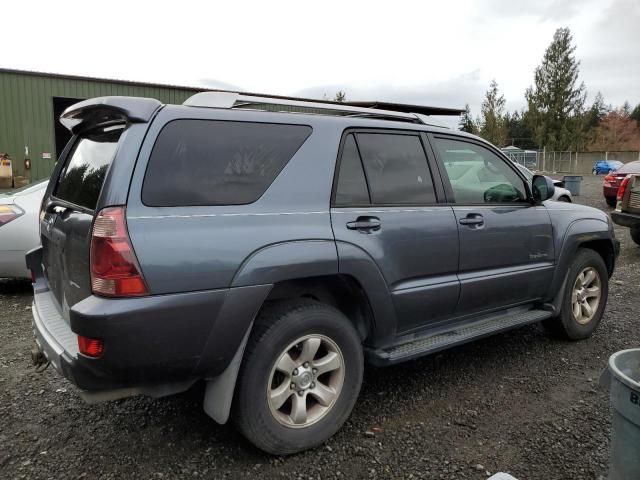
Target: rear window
{"x": 81, "y": 179}
{"x": 210, "y": 162}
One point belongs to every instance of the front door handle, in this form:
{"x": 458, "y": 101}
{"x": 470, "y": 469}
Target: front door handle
{"x": 365, "y": 224}
{"x": 473, "y": 220}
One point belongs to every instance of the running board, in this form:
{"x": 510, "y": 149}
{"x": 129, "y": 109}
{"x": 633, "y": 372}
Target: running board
{"x": 459, "y": 334}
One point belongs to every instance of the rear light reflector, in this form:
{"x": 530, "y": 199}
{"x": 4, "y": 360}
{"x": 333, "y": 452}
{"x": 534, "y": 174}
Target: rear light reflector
{"x": 9, "y": 213}
{"x": 91, "y": 347}
{"x": 114, "y": 269}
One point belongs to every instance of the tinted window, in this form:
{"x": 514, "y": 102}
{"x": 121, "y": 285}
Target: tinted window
{"x": 396, "y": 168}
{"x": 204, "y": 162}
{"x": 478, "y": 175}
{"x": 81, "y": 179}
{"x": 352, "y": 186}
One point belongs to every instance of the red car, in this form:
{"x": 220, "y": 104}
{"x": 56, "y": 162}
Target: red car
{"x": 613, "y": 181}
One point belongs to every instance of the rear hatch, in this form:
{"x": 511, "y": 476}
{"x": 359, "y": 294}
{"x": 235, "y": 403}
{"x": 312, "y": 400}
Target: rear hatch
{"x": 68, "y": 212}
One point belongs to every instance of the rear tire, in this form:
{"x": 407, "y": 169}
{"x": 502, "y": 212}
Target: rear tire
{"x": 564, "y": 198}
{"x": 300, "y": 377}
{"x": 635, "y": 235}
{"x": 611, "y": 201}
{"x": 584, "y": 298}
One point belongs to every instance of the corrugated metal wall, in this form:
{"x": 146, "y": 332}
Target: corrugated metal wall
{"x": 26, "y": 111}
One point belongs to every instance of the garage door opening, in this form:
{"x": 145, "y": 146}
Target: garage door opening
{"x": 62, "y": 134}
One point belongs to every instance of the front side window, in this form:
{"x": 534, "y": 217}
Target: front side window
{"x": 478, "y": 175}
{"x": 210, "y": 162}
{"x": 396, "y": 169}
{"x": 81, "y": 179}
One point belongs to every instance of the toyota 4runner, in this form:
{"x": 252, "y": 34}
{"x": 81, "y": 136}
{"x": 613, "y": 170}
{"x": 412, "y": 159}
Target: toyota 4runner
{"x": 271, "y": 246}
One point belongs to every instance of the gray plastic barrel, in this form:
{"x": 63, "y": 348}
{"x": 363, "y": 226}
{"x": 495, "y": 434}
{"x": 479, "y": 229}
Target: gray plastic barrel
{"x": 624, "y": 370}
{"x": 572, "y": 183}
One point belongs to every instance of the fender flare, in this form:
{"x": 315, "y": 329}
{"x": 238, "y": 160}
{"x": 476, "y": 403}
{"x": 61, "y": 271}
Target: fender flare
{"x": 578, "y": 233}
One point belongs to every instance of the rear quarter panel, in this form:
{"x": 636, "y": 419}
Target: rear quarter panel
{"x": 206, "y": 247}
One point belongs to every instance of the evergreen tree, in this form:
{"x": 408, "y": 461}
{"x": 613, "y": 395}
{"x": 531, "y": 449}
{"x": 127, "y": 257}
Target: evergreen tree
{"x": 626, "y": 108}
{"x": 556, "y": 100}
{"x": 636, "y": 113}
{"x": 518, "y": 132}
{"x": 596, "y": 113}
{"x": 493, "y": 128}
{"x": 466, "y": 123}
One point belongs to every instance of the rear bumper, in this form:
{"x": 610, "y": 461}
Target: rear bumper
{"x": 626, "y": 219}
{"x": 148, "y": 341}
{"x": 12, "y": 264}
{"x": 610, "y": 192}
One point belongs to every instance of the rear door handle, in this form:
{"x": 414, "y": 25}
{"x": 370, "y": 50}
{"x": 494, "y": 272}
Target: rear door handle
{"x": 365, "y": 224}
{"x": 473, "y": 219}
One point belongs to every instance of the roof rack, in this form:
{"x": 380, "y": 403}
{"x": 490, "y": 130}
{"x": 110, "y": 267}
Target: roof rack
{"x": 379, "y": 110}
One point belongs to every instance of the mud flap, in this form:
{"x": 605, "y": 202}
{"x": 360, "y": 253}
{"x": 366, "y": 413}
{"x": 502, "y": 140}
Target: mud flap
{"x": 219, "y": 391}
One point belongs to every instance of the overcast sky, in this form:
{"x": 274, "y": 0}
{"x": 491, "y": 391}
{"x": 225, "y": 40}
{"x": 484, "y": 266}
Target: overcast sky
{"x": 434, "y": 53}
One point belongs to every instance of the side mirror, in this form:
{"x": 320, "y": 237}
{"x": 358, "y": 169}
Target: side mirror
{"x": 542, "y": 188}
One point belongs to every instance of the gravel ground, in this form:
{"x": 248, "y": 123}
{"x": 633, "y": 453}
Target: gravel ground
{"x": 519, "y": 402}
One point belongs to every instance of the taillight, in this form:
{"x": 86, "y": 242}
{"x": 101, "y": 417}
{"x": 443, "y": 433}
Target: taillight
{"x": 610, "y": 180}
{"x": 9, "y": 213}
{"x": 91, "y": 347}
{"x": 622, "y": 188}
{"x": 114, "y": 269}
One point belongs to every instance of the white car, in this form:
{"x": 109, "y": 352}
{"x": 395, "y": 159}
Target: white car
{"x": 561, "y": 194}
{"x": 19, "y": 227}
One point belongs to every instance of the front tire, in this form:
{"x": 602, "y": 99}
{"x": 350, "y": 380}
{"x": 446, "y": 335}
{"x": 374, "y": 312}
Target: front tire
{"x": 584, "y": 299}
{"x": 635, "y": 235}
{"x": 300, "y": 377}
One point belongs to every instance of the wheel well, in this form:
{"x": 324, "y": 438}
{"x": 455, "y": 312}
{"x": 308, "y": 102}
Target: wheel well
{"x": 568, "y": 198}
{"x": 341, "y": 291}
{"x": 605, "y": 250}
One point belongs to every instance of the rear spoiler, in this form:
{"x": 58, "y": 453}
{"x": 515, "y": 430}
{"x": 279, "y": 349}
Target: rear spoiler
{"x": 108, "y": 109}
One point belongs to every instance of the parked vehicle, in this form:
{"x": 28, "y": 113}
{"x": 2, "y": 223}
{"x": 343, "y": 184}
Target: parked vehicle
{"x": 19, "y": 211}
{"x": 560, "y": 193}
{"x": 603, "y": 167}
{"x": 627, "y": 211}
{"x": 613, "y": 180}
{"x": 272, "y": 254}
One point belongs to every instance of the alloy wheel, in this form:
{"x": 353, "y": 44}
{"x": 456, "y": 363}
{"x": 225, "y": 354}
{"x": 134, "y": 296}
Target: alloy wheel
{"x": 305, "y": 381}
{"x": 585, "y": 297}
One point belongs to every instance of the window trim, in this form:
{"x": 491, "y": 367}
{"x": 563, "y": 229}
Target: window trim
{"x": 432, "y": 137}
{"x": 217, "y": 120}
{"x": 438, "y": 189}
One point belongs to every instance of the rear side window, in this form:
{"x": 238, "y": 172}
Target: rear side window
{"x": 396, "y": 168}
{"x": 81, "y": 179}
{"x": 209, "y": 162}
{"x": 352, "y": 185}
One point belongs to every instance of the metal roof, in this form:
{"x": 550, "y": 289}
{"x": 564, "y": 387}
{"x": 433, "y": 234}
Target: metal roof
{"x": 389, "y": 106}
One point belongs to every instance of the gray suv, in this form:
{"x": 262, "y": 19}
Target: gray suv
{"x": 270, "y": 247}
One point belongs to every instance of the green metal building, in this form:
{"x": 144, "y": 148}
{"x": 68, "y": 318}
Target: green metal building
{"x": 31, "y": 102}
